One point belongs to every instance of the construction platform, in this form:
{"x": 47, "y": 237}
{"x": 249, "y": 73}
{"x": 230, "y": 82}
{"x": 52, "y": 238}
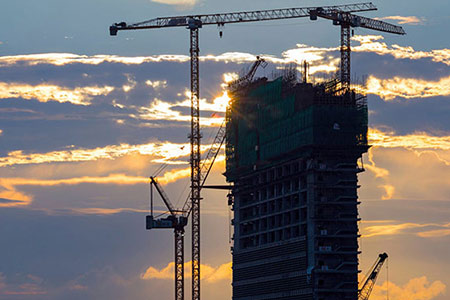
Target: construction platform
{"x": 292, "y": 151}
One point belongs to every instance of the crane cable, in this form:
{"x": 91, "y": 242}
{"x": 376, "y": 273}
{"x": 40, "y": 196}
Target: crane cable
{"x": 155, "y": 174}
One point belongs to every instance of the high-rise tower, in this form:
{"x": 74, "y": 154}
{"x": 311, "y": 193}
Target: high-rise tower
{"x": 292, "y": 150}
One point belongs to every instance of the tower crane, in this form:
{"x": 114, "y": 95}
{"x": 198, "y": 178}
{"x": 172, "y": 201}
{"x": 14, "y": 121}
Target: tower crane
{"x": 367, "y": 286}
{"x": 193, "y": 23}
{"x": 347, "y": 20}
{"x": 178, "y": 218}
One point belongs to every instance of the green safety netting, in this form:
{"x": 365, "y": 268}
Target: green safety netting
{"x": 266, "y": 121}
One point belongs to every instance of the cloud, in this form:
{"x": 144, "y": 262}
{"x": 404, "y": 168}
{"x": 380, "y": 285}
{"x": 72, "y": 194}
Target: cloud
{"x": 379, "y": 172}
{"x": 394, "y": 160}
{"x": 319, "y": 59}
{"x": 162, "y": 152}
{"x": 60, "y": 59}
{"x": 371, "y": 43}
{"x": 417, "y": 140}
{"x": 182, "y": 3}
{"x": 131, "y": 83}
{"x": 163, "y": 110}
{"x": 427, "y": 230}
{"x": 120, "y": 179}
{"x": 407, "y": 173}
{"x": 16, "y": 198}
{"x": 389, "y": 89}
{"x": 156, "y": 84}
{"x": 415, "y": 289}
{"x": 106, "y": 211}
{"x": 389, "y": 191}
{"x": 30, "y": 286}
{"x": 51, "y": 92}
{"x": 411, "y": 20}
{"x": 208, "y": 273}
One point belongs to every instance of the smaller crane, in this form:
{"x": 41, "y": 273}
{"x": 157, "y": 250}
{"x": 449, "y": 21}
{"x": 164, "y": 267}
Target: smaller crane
{"x": 367, "y": 286}
{"x": 236, "y": 84}
{"x": 178, "y": 218}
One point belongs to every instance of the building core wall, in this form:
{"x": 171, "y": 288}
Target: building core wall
{"x": 295, "y": 206}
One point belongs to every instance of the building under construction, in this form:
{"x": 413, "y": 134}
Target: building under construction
{"x": 292, "y": 151}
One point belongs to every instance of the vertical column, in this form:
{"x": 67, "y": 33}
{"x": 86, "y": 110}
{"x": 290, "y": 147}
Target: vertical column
{"x": 195, "y": 161}
{"x": 179, "y": 263}
{"x": 345, "y": 55}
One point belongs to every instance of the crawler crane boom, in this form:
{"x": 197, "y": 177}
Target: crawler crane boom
{"x": 367, "y": 286}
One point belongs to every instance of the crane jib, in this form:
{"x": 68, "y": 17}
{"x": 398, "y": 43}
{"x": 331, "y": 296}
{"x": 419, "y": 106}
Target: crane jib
{"x": 238, "y": 17}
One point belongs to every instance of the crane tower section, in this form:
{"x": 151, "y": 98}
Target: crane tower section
{"x": 291, "y": 151}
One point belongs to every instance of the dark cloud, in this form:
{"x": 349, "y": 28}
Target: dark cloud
{"x": 407, "y": 116}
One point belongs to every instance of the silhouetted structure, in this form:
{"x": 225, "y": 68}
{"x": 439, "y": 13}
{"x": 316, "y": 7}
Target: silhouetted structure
{"x": 291, "y": 152}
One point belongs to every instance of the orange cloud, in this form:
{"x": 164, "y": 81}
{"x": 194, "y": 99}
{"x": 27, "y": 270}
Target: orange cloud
{"x": 389, "y": 191}
{"x": 163, "y": 110}
{"x": 120, "y": 179}
{"x": 389, "y": 89}
{"x": 371, "y": 43}
{"x": 416, "y": 289}
{"x": 51, "y": 92}
{"x": 13, "y": 197}
{"x": 174, "y": 175}
{"x": 379, "y": 172}
{"x": 178, "y": 3}
{"x": 208, "y": 273}
{"x": 411, "y": 20}
{"x": 418, "y": 140}
{"x": 427, "y": 230}
{"x": 435, "y": 233}
{"x": 162, "y": 152}
{"x": 17, "y": 198}
{"x": 107, "y": 211}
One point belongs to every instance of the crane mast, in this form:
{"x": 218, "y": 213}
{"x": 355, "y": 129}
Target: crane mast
{"x": 340, "y": 14}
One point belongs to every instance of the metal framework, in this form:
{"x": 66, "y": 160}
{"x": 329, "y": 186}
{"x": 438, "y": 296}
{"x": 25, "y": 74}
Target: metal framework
{"x": 233, "y": 86}
{"x": 179, "y": 263}
{"x": 366, "y": 289}
{"x": 195, "y": 160}
{"x": 194, "y": 23}
{"x": 176, "y": 220}
{"x": 347, "y": 20}
{"x": 239, "y": 17}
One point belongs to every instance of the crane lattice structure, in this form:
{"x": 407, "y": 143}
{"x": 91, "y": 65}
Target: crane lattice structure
{"x": 367, "y": 286}
{"x": 347, "y": 20}
{"x": 340, "y": 14}
{"x": 178, "y": 218}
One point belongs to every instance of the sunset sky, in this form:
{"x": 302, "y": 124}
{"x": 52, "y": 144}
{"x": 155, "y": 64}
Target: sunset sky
{"x": 86, "y": 118}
